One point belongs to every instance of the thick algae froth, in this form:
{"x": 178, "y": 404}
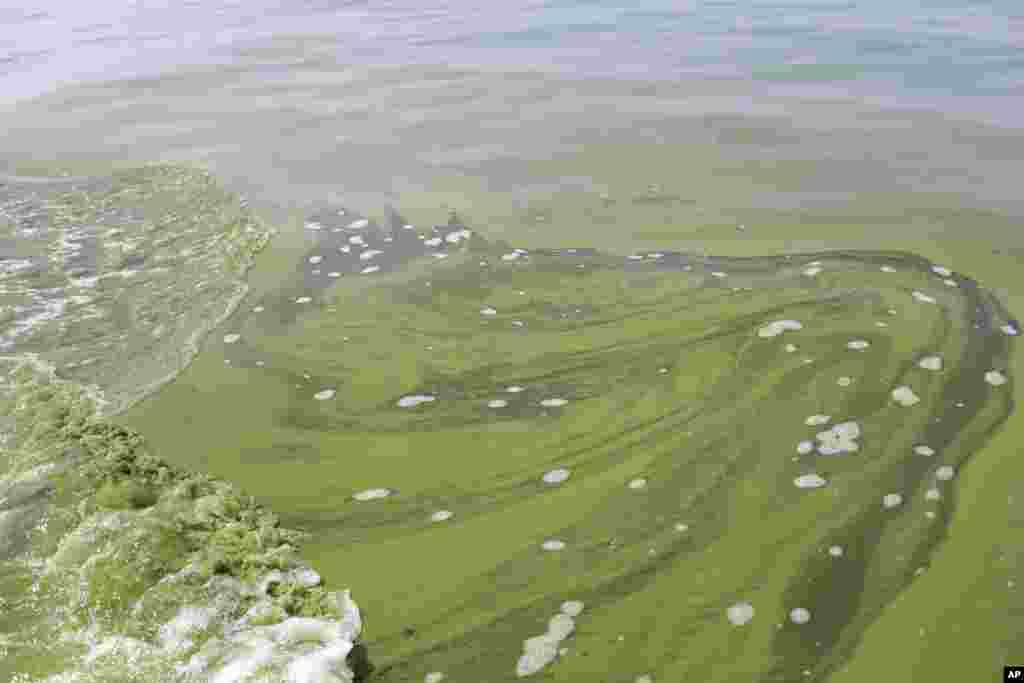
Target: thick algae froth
{"x": 123, "y": 568}
{"x": 115, "y": 565}
{"x": 720, "y": 458}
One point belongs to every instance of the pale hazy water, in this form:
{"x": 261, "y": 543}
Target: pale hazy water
{"x": 362, "y": 101}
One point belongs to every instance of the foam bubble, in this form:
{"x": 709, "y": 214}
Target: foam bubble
{"x": 324, "y": 394}
{"x": 556, "y": 476}
{"x": 817, "y": 420}
{"x": 905, "y": 396}
{"x": 857, "y": 344}
{"x": 922, "y": 297}
{"x": 553, "y": 544}
{"x": 995, "y": 378}
{"x": 372, "y": 494}
{"x": 809, "y": 481}
{"x": 778, "y": 327}
{"x": 414, "y": 400}
{"x": 638, "y": 483}
{"x": 892, "y": 500}
{"x": 497, "y": 403}
{"x": 358, "y": 224}
{"x": 944, "y": 473}
{"x": 441, "y": 516}
{"x": 553, "y": 402}
{"x": 369, "y": 269}
{"x": 739, "y": 614}
{"x": 930, "y": 363}
{"x": 231, "y": 338}
{"x": 799, "y": 615}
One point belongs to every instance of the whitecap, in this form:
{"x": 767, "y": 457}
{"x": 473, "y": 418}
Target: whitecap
{"x": 553, "y": 402}
{"x": 369, "y": 269}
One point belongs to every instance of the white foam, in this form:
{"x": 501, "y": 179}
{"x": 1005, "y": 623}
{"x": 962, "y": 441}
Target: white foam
{"x": 369, "y": 254}
{"x": 892, "y": 500}
{"x": 497, "y": 403}
{"x": 739, "y": 614}
{"x": 488, "y": 311}
{"x": 303, "y": 300}
{"x": 315, "y": 259}
{"x": 841, "y": 438}
{"x": 805, "y": 447}
{"x": 932, "y": 494}
{"x": 809, "y": 481}
{"x": 369, "y": 269}
{"x": 457, "y": 236}
{"x": 556, "y": 476}
{"x": 922, "y": 297}
{"x": 812, "y": 271}
{"x": 553, "y": 544}
{"x": 816, "y": 420}
{"x": 857, "y": 344}
{"x": 940, "y": 270}
{"x": 930, "y": 363}
{"x": 356, "y": 239}
{"x": 441, "y": 516}
{"x": 231, "y": 338}
{"x": 944, "y": 473}
{"x": 372, "y": 494}
{"x": 844, "y": 381}
{"x": 433, "y": 677}
{"x": 638, "y": 483}
{"x": 905, "y": 396}
{"x": 887, "y": 269}
{"x": 358, "y": 224}
{"x": 835, "y": 551}
{"x": 924, "y": 450}
{"x": 414, "y": 400}
{"x": 553, "y": 402}
{"x": 334, "y": 273}
{"x": 995, "y": 378}
{"x": 778, "y": 327}
{"x": 790, "y": 348}
{"x": 514, "y": 389}
{"x": 799, "y": 615}
{"x": 324, "y": 394}
{"x": 433, "y": 242}
{"x": 572, "y": 608}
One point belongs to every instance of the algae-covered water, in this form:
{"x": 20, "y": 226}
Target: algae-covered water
{"x": 564, "y": 341}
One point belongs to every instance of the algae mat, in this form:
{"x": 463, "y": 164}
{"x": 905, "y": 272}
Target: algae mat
{"x": 735, "y": 464}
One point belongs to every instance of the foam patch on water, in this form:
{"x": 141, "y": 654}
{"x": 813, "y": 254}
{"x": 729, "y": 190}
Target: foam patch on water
{"x": 540, "y": 651}
{"x": 740, "y": 614}
{"x": 809, "y": 481}
{"x": 776, "y": 328}
{"x": 414, "y": 400}
{"x": 905, "y": 396}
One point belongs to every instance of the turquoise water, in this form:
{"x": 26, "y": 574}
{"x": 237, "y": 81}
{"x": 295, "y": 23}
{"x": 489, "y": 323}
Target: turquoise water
{"x": 952, "y": 56}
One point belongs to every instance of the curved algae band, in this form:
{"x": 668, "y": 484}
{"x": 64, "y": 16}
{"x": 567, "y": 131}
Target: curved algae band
{"x": 679, "y": 426}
